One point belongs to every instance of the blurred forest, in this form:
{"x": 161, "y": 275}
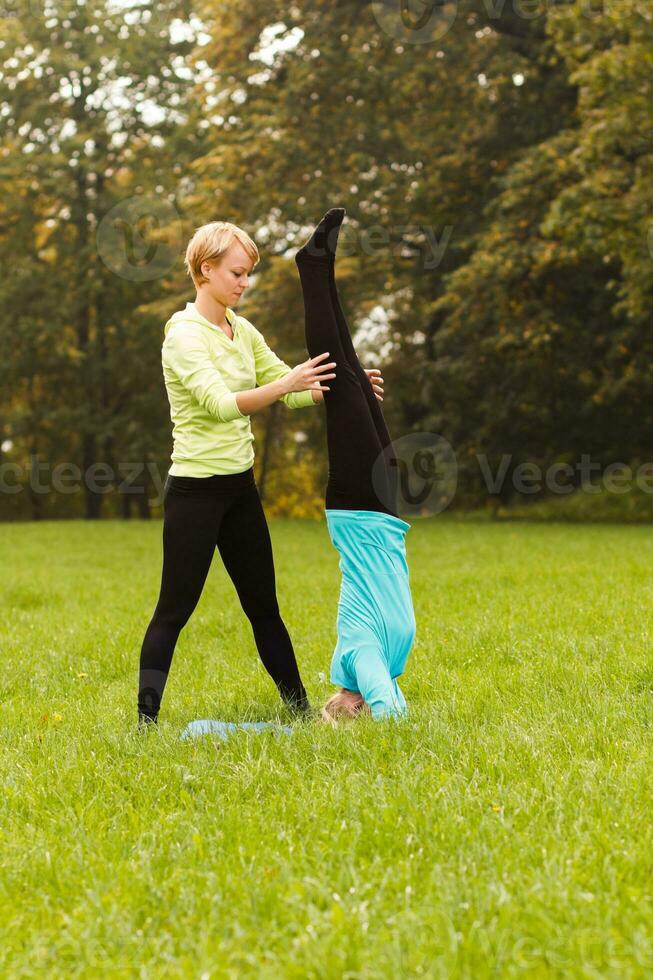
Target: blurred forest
{"x": 496, "y": 261}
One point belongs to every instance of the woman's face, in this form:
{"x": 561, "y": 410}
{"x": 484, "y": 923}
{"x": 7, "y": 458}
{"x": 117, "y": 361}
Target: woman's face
{"x": 229, "y": 276}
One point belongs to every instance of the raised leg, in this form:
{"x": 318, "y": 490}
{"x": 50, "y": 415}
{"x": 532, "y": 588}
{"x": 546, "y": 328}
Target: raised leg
{"x": 354, "y": 444}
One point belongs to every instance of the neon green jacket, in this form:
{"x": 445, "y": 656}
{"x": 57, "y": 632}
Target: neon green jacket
{"x": 203, "y": 370}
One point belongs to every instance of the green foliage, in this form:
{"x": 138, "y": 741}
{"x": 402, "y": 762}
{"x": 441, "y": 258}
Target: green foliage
{"x": 498, "y": 189}
{"x": 83, "y": 376}
{"x": 544, "y": 343}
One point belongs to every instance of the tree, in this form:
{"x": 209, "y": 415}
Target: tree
{"x": 81, "y": 163}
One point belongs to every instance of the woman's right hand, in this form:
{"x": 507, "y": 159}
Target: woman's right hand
{"x": 309, "y": 375}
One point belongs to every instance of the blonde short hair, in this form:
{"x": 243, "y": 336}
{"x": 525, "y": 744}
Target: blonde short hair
{"x": 344, "y": 703}
{"x": 210, "y": 242}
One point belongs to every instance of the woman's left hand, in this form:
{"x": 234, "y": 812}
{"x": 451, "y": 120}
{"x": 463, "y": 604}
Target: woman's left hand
{"x": 375, "y": 379}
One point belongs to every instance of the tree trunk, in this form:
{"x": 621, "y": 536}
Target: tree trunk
{"x": 143, "y": 504}
{"x": 140, "y": 500}
{"x": 83, "y": 325}
{"x": 93, "y": 498}
{"x": 34, "y": 497}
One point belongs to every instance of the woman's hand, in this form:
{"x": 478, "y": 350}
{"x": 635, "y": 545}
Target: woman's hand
{"x": 373, "y": 376}
{"x": 375, "y": 379}
{"x": 309, "y": 375}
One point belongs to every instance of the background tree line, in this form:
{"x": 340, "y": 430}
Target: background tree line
{"x": 497, "y": 253}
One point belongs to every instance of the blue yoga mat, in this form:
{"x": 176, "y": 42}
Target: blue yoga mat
{"x": 206, "y": 726}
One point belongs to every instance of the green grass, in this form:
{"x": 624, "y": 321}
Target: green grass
{"x": 502, "y": 830}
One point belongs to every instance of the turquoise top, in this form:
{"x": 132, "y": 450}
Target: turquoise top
{"x": 376, "y": 621}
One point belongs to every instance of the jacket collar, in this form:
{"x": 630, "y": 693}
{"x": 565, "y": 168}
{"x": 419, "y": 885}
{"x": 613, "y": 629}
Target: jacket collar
{"x": 230, "y": 317}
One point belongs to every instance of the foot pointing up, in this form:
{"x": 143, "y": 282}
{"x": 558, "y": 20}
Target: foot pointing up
{"x": 321, "y": 246}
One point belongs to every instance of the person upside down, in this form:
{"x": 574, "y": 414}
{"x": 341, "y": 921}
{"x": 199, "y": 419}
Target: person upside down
{"x": 376, "y": 622}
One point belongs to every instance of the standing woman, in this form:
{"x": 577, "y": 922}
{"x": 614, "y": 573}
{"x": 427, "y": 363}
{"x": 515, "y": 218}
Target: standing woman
{"x": 218, "y": 371}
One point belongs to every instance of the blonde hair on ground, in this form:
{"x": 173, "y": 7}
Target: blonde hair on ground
{"x": 343, "y": 703}
{"x": 210, "y": 242}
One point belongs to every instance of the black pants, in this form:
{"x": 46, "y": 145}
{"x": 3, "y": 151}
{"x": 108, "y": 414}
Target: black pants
{"x": 361, "y": 475}
{"x": 201, "y": 513}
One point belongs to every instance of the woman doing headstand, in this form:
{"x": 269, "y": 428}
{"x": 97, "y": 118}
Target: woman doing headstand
{"x": 376, "y": 622}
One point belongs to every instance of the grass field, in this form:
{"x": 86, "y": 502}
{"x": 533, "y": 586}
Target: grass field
{"x": 503, "y": 829}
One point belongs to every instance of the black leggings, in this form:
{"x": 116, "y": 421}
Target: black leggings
{"x": 361, "y": 476}
{"x": 201, "y": 513}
